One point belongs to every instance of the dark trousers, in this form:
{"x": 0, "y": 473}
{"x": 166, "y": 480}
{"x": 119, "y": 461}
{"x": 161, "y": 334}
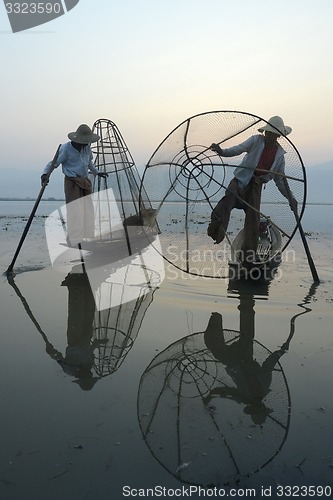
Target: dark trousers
{"x": 234, "y": 198}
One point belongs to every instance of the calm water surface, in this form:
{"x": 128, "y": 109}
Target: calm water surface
{"x": 198, "y": 382}
{"x": 316, "y": 217}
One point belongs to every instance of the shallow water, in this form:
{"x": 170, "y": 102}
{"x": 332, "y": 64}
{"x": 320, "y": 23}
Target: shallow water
{"x": 198, "y": 382}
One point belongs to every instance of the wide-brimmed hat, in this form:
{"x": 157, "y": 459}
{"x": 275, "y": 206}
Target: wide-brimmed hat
{"x": 276, "y": 125}
{"x": 83, "y": 135}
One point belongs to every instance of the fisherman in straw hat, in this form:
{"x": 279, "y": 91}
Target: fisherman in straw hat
{"x": 264, "y": 157}
{"x": 77, "y": 161}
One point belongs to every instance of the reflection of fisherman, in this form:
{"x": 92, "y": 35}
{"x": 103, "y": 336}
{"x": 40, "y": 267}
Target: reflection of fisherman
{"x": 79, "y": 358}
{"x": 263, "y": 160}
{"x": 252, "y": 380}
{"x": 77, "y": 160}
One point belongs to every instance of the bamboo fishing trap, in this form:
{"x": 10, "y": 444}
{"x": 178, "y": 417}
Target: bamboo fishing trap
{"x": 118, "y": 198}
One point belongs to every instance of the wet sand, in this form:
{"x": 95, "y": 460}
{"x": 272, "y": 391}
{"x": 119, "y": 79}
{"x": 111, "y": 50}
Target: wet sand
{"x": 171, "y": 398}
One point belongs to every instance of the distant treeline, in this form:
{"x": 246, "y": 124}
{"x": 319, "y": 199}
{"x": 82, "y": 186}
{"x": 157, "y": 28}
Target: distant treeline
{"x": 31, "y": 199}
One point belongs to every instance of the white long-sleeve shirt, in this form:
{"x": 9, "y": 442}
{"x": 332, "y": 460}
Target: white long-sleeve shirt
{"x": 74, "y": 163}
{"x": 253, "y": 147}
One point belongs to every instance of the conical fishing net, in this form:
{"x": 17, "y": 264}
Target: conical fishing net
{"x": 118, "y": 199}
{"x": 115, "y": 331}
{"x": 209, "y": 420}
{"x": 184, "y": 179}
{"x": 100, "y": 339}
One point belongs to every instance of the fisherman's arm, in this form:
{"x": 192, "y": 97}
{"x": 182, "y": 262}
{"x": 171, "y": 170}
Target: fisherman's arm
{"x": 60, "y": 159}
{"x": 95, "y": 170}
{"x": 244, "y": 147}
{"x": 284, "y": 188}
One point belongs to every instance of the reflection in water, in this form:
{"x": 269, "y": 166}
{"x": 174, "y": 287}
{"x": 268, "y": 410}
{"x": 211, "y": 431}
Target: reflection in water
{"x": 79, "y": 357}
{"x": 249, "y": 366}
{"x": 98, "y": 341}
{"x": 116, "y": 328}
{"x": 215, "y": 405}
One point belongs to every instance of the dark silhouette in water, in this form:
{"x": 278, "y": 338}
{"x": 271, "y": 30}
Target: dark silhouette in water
{"x": 252, "y": 380}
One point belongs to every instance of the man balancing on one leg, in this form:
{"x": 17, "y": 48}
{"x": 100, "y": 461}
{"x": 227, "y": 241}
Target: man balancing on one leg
{"x": 264, "y": 158}
{"x": 77, "y": 161}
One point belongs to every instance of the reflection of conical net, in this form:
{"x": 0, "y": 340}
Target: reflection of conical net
{"x": 100, "y": 339}
{"x": 115, "y": 331}
{"x": 113, "y": 157}
{"x": 184, "y": 180}
{"x": 194, "y": 424}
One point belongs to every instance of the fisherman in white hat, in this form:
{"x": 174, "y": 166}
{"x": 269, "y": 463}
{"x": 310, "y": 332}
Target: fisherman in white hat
{"x": 76, "y": 159}
{"x": 264, "y": 158}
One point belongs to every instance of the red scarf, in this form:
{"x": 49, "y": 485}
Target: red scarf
{"x": 266, "y": 159}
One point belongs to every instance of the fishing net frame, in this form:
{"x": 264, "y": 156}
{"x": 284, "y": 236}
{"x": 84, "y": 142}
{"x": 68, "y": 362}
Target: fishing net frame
{"x": 119, "y": 196}
{"x": 184, "y": 170}
{"x": 201, "y": 443}
{"x": 115, "y": 331}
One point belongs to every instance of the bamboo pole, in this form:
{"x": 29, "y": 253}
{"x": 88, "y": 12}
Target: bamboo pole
{"x": 307, "y": 251}
{"x": 39, "y": 197}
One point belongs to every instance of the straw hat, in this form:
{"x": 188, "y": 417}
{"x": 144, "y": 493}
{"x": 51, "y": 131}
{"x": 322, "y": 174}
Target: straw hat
{"x": 276, "y": 125}
{"x": 83, "y": 135}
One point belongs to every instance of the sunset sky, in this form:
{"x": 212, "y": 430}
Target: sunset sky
{"x": 148, "y": 65}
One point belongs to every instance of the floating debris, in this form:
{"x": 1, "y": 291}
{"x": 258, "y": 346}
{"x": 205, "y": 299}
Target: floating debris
{"x": 183, "y": 466}
{"x": 58, "y": 475}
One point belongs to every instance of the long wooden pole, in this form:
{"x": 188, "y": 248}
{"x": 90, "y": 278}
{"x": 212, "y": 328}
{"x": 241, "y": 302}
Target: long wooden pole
{"x": 309, "y": 256}
{"x": 307, "y": 250}
{"x": 26, "y": 229}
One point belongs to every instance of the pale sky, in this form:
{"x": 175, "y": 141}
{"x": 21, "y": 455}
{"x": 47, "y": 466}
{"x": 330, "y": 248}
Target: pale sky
{"x": 148, "y": 65}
